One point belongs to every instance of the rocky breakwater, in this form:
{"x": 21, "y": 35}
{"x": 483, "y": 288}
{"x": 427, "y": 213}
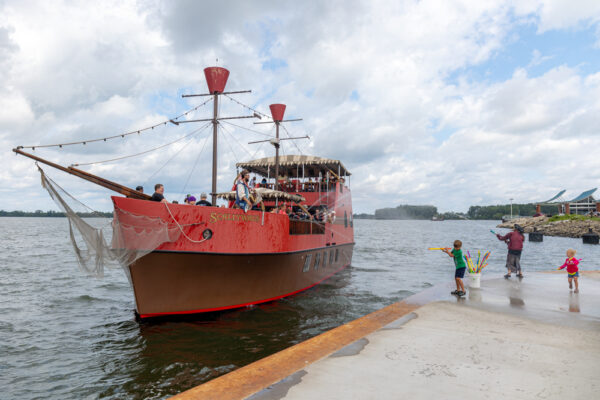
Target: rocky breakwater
{"x": 574, "y": 228}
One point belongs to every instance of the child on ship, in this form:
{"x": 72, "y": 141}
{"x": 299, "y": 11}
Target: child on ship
{"x": 572, "y": 265}
{"x": 461, "y": 267}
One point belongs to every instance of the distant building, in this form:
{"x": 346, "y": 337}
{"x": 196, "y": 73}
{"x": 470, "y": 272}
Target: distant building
{"x": 582, "y": 204}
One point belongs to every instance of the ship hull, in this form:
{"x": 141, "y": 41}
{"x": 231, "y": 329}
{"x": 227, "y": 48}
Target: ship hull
{"x": 174, "y": 283}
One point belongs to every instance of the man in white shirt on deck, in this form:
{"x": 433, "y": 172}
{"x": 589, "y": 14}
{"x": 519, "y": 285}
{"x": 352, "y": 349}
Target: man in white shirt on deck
{"x": 242, "y": 191}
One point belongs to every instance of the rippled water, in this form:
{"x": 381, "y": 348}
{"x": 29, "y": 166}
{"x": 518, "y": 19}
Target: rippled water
{"x": 63, "y": 335}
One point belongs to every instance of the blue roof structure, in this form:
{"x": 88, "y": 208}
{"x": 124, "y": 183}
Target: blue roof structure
{"x": 583, "y": 195}
{"x": 557, "y": 196}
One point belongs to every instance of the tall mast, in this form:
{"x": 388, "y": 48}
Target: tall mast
{"x": 277, "y": 112}
{"x": 215, "y": 153}
{"x": 276, "y": 144}
{"x": 216, "y": 79}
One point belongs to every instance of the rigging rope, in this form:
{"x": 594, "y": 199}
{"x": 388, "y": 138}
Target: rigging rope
{"x": 248, "y": 107}
{"x": 238, "y": 142}
{"x": 248, "y": 129}
{"x": 143, "y": 152}
{"x": 168, "y": 161}
{"x": 195, "y": 164}
{"x": 122, "y": 135}
{"x": 256, "y": 152}
{"x": 293, "y": 140}
{"x": 181, "y": 229}
{"x": 67, "y": 193}
{"x": 230, "y": 148}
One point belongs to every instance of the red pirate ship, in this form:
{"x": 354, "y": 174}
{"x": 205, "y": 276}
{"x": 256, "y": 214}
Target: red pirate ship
{"x": 183, "y": 259}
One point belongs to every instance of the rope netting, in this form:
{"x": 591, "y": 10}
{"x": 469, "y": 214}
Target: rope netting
{"x": 131, "y": 236}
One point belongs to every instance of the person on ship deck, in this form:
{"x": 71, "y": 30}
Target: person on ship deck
{"x": 203, "y": 201}
{"x": 242, "y": 191}
{"x": 158, "y": 194}
{"x": 190, "y": 200}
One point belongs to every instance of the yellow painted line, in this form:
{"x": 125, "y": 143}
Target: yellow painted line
{"x": 254, "y": 377}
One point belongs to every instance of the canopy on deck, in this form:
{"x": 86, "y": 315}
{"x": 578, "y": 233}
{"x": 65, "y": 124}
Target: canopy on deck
{"x": 266, "y": 194}
{"x": 292, "y": 165}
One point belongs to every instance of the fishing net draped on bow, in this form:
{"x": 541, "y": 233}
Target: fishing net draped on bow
{"x": 132, "y": 236}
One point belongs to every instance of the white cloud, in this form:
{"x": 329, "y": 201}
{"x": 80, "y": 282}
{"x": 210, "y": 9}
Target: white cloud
{"x": 73, "y": 71}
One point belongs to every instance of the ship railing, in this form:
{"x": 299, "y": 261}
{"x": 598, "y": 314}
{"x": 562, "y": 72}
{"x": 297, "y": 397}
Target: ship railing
{"x": 301, "y": 227}
{"x": 301, "y": 187}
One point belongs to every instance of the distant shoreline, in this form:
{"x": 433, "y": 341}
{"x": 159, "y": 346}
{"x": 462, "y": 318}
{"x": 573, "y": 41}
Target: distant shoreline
{"x": 53, "y": 214}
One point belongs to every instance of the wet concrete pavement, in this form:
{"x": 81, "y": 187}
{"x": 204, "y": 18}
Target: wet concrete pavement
{"x": 540, "y": 296}
{"x": 509, "y": 339}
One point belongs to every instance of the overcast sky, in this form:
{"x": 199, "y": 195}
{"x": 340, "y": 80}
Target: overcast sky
{"x": 450, "y": 103}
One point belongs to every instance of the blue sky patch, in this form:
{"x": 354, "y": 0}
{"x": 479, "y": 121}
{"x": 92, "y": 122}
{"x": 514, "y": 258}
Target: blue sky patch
{"x": 274, "y": 63}
{"x": 537, "y": 53}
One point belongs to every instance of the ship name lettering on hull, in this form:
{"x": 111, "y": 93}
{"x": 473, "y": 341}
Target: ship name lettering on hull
{"x": 217, "y": 217}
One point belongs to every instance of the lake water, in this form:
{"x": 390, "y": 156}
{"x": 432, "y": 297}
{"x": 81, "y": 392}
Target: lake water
{"x": 64, "y": 335}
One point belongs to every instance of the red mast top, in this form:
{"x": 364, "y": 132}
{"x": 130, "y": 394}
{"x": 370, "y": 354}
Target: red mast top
{"x": 277, "y": 111}
{"x": 216, "y": 78}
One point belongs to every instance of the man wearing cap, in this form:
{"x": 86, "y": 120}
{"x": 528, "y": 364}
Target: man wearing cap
{"x": 203, "y": 201}
{"x": 515, "y": 241}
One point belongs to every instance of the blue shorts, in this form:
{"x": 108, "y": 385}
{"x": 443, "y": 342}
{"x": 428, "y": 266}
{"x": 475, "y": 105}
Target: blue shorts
{"x": 460, "y": 272}
{"x": 575, "y": 275}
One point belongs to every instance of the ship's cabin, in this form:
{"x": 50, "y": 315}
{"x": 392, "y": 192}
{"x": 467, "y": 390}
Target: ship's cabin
{"x": 299, "y": 174}
{"x": 320, "y": 181}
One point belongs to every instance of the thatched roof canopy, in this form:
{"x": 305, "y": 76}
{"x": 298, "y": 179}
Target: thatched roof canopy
{"x": 291, "y": 166}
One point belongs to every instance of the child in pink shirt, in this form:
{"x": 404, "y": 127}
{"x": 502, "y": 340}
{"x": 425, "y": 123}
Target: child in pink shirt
{"x": 572, "y": 265}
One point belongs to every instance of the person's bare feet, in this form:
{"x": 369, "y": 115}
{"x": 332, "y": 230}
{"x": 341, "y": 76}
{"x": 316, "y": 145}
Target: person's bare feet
{"x": 576, "y": 291}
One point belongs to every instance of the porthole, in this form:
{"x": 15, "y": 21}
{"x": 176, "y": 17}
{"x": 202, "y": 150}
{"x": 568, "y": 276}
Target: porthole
{"x": 207, "y": 234}
{"x": 306, "y": 267}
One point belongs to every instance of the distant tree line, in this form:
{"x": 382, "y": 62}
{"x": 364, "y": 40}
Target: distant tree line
{"x": 40, "y": 213}
{"x": 475, "y": 212}
{"x": 498, "y": 211}
{"x": 406, "y": 211}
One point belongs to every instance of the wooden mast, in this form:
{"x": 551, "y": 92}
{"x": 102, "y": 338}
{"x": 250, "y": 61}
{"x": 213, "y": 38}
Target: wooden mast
{"x": 216, "y": 79}
{"x": 277, "y": 112}
{"x": 215, "y": 153}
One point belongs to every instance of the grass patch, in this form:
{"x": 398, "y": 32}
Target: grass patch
{"x": 572, "y": 217}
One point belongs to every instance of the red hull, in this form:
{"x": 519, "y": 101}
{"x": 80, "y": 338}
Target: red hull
{"x": 250, "y": 258}
{"x": 187, "y": 283}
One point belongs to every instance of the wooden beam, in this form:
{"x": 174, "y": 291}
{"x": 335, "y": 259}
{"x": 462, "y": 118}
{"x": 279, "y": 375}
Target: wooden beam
{"x": 124, "y": 190}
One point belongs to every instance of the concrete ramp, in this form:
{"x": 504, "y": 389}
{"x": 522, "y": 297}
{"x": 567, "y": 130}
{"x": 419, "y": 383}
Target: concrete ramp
{"x": 510, "y": 339}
